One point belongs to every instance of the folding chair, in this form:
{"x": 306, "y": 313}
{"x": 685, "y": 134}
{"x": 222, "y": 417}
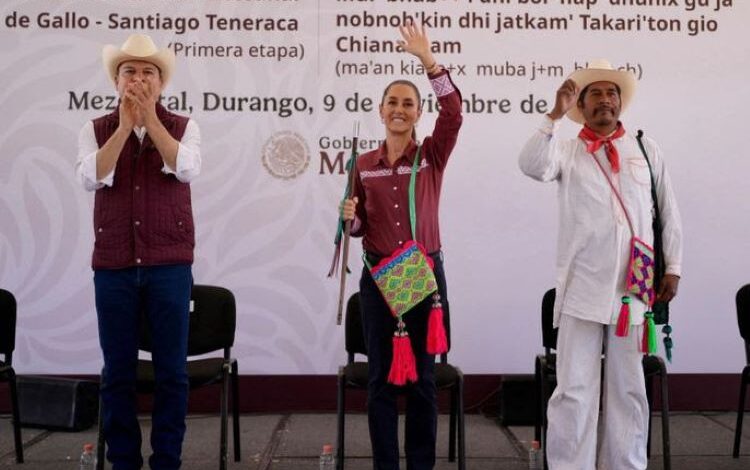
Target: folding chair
{"x": 743, "y": 321}
{"x": 7, "y": 374}
{"x": 212, "y": 328}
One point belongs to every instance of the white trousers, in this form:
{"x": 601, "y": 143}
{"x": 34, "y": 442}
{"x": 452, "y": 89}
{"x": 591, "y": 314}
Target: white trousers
{"x": 573, "y": 410}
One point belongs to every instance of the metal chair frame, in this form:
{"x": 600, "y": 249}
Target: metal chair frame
{"x": 228, "y": 376}
{"x": 743, "y": 321}
{"x": 8, "y": 312}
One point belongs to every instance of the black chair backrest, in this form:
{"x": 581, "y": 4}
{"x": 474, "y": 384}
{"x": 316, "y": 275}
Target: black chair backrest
{"x": 354, "y": 338}
{"x": 213, "y": 320}
{"x": 743, "y": 316}
{"x": 447, "y": 326}
{"x": 549, "y": 333}
{"x": 7, "y": 325}
{"x": 447, "y": 323}
{"x": 743, "y": 311}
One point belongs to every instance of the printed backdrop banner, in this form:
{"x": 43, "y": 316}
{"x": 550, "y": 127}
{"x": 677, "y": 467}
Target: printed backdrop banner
{"x": 276, "y": 86}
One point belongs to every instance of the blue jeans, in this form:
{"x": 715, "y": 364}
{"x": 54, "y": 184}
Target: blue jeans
{"x": 421, "y": 401}
{"x": 162, "y": 293}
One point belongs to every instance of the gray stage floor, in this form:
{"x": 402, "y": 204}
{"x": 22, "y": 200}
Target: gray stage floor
{"x": 280, "y": 442}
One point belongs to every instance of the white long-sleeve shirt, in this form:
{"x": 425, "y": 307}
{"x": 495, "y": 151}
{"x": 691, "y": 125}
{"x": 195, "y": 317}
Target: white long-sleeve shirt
{"x": 188, "y": 156}
{"x": 593, "y": 246}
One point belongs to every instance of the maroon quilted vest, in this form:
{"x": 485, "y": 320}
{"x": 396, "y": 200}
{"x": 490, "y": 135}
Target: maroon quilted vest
{"x": 145, "y": 218}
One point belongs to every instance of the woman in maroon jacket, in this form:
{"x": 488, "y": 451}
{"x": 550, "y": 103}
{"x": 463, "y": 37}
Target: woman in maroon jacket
{"x": 379, "y": 209}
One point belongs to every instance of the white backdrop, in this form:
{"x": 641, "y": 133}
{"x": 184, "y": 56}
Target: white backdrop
{"x": 266, "y": 232}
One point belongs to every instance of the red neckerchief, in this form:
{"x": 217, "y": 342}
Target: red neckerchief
{"x": 594, "y": 142}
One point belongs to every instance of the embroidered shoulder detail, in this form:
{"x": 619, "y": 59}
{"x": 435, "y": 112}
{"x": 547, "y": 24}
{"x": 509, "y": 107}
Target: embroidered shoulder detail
{"x": 442, "y": 85}
{"x": 375, "y": 173}
{"x": 400, "y": 170}
{"x": 406, "y": 169}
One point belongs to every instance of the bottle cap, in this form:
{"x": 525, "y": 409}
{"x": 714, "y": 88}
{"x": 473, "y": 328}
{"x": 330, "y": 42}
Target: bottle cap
{"x": 536, "y": 445}
{"x": 88, "y": 447}
{"x": 327, "y": 449}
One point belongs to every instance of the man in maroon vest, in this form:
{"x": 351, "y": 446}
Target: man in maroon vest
{"x": 140, "y": 160}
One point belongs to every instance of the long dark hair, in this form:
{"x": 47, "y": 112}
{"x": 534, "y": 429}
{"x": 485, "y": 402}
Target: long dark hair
{"x": 416, "y": 91}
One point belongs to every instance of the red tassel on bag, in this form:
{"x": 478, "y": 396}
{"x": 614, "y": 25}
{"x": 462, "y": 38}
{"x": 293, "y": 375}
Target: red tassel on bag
{"x": 623, "y": 321}
{"x": 403, "y": 365}
{"x": 437, "y": 340}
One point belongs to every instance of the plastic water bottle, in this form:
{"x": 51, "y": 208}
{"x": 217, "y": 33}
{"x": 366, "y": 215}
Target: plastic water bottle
{"x": 536, "y": 460}
{"x": 326, "y": 458}
{"x": 88, "y": 458}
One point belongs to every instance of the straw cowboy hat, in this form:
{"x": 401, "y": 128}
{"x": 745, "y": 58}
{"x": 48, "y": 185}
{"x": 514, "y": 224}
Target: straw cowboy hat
{"x": 138, "y": 47}
{"x": 600, "y": 70}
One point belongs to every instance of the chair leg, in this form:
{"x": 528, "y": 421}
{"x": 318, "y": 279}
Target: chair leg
{"x": 544, "y": 395}
{"x": 16, "y": 416}
{"x": 461, "y": 425}
{"x": 537, "y": 400}
{"x": 340, "y": 410}
{"x": 100, "y": 442}
{"x": 223, "y": 457}
{"x": 452, "y": 425}
{"x": 741, "y": 412}
{"x": 234, "y": 377}
{"x": 650, "y": 401}
{"x": 666, "y": 444}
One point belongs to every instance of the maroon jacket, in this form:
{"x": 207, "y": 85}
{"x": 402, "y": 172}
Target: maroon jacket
{"x": 145, "y": 218}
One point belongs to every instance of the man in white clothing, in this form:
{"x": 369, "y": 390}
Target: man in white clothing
{"x": 605, "y": 203}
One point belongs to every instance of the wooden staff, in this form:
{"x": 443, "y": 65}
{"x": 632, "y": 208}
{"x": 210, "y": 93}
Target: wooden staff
{"x": 347, "y": 225}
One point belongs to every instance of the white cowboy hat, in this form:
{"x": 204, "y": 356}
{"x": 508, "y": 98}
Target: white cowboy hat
{"x": 600, "y": 70}
{"x": 138, "y": 47}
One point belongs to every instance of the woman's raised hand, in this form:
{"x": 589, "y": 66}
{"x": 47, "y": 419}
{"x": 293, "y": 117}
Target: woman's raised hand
{"x": 416, "y": 42}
